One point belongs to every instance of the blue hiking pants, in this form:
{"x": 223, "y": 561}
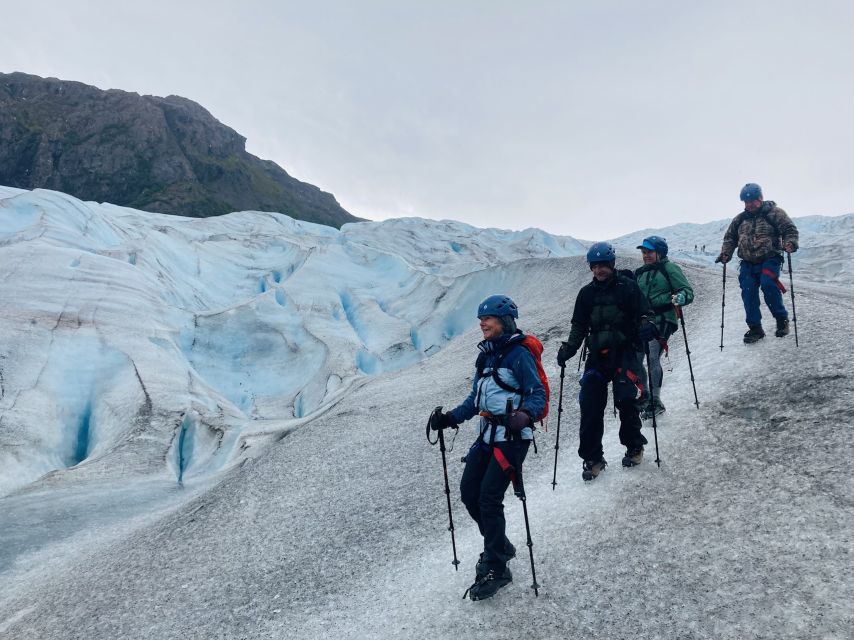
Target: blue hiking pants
{"x": 751, "y": 279}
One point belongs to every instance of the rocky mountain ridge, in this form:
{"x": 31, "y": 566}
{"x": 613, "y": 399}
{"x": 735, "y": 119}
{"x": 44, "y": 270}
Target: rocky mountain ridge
{"x": 168, "y": 155}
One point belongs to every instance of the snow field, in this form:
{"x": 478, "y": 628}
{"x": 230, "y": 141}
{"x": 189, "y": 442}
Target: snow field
{"x": 340, "y": 527}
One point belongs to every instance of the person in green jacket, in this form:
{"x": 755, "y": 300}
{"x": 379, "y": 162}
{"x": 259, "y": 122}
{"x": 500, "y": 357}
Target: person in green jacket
{"x": 665, "y": 287}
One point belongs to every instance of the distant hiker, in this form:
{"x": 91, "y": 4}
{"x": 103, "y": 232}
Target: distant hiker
{"x": 695, "y": 248}
{"x": 704, "y": 248}
{"x": 613, "y": 316}
{"x": 506, "y": 377}
{"x": 761, "y": 232}
{"x": 665, "y": 286}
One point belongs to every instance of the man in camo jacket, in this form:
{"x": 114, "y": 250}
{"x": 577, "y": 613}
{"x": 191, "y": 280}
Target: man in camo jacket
{"x": 761, "y": 233}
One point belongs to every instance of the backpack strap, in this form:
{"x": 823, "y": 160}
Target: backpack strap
{"x": 495, "y": 376}
{"x": 624, "y": 300}
{"x": 764, "y": 214}
{"x": 661, "y": 268}
{"x": 505, "y": 349}
{"x": 625, "y": 304}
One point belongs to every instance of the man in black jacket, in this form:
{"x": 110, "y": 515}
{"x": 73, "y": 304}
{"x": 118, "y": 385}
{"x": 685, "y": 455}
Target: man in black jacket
{"x": 614, "y": 317}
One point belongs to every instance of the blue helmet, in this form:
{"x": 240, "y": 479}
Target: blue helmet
{"x": 751, "y": 191}
{"x": 498, "y": 306}
{"x": 655, "y": 243}
{"x": 601, "y": 252}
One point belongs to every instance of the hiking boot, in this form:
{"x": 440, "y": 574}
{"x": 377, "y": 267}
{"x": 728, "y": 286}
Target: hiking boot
{"x": 488, "y": 585}
{"x": 592, "y": 468}
{"x": 782, "y": 327}
{"x": 754, "y": 334}
{"x": 657, "y": 409}
{"x": 633, "y": 457}
{"x": 480, "y": 569}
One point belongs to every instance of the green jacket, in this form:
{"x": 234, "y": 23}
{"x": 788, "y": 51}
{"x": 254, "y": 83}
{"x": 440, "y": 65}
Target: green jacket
{"x": 658, "y": 282}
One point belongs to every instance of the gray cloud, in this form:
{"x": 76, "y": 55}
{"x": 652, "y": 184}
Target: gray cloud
{"x": 590, "y": 119}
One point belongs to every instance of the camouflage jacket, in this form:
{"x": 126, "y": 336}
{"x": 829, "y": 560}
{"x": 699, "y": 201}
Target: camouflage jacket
{"x": 760, "y": 235}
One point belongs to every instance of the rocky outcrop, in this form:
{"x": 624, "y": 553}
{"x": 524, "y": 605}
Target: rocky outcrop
{"x": 156, "y": 154}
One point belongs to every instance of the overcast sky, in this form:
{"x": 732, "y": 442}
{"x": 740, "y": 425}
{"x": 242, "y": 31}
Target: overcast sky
{"x": 586, "y": 118}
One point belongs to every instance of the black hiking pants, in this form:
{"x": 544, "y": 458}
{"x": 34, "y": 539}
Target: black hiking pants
{"x": 593, "y": 399}
{"x": 482, "y": 490}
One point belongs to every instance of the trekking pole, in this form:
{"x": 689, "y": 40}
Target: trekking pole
{"x": 559, "y": 412}
{"x": 723, "y": 304}
{"x": 583, "y": 355}
{"x": 437, "y": 412}
{"x": 519, "y": 490}
{"x": 681, "y": 316}
{"x": 652, "y": 402}
{"x": 792, "y": 290}
{"x": 534, "y": 584}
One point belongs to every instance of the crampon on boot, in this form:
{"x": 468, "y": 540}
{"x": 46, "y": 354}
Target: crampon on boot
{"x": 480, "y": 569}
{"x": 633, "y": 457}
{"x": 488, "y": 585}
{"x": 592, "y": 468}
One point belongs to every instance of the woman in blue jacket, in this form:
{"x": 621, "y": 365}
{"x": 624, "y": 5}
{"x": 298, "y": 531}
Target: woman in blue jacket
{"x": 507, "y": 393}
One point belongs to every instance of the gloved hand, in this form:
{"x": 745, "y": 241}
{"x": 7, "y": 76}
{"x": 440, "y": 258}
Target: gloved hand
{"x": 678, "y": 299}
{"x": 443, "y": 421}
{"x": 647, "y": 331}
{"x": 518, "y": 420}
{"x": 723, "y": 258}
{"x": 789, "y": 247}
{"x": 564, "y": 354}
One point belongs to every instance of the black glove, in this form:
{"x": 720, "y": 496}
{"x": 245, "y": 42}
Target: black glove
{"x": 443, "y": 421}
{"x": 518, "y": 420}
{"x": 723, "y": 258}
{"x": 647, "y": 331}
{"x": 564, "y": 354}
